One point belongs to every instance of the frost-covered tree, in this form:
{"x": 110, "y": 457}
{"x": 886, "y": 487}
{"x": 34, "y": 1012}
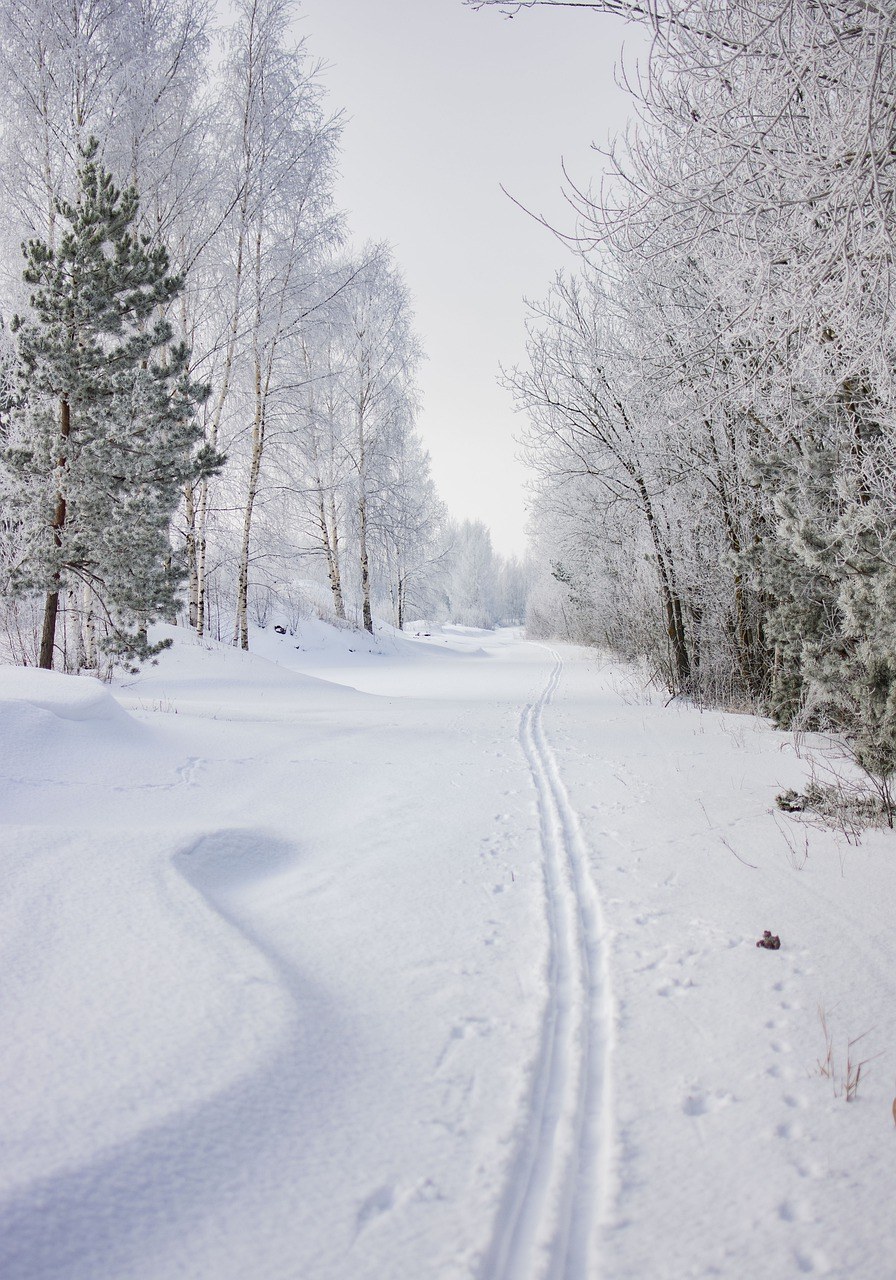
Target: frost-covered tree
{"x": 584, "y": 394}
{"x": 233, "y": 150}
{"x": 127, "y": 72}
{"x": 472, "y": 585}
{"x": 270, "y": 271}
{"x": 481, "y": 587}
{"x": 409, "y": 528}
{"x": 377, "y": 365}
{"x": 102, "y": 432}
{"x": 350, "y": 469}
{"x": 747, "y": 230}
{"x": 310, "y": 457}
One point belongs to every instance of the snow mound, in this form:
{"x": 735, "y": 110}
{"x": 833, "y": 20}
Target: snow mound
{"x": 65, "y": 733}
{"x": 278, "y": 642}
{"x": 200, "y": 674}
{"x": 315, "y": 645}
{"x": 222, "y": 861}
{"x": 67, "y": 697}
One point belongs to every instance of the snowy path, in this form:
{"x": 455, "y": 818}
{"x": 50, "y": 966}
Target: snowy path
{"x": 307, "y": 962}
{"x": 561, "y": 1177}
{"x": 318, "y": 1070}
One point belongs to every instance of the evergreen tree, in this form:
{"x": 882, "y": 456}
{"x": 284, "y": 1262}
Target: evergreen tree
{"x": 831, "y": 572}
{"x": 104, "y": 434}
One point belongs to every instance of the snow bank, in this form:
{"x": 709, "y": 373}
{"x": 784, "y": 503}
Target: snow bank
{"x": 66, "y": 697}
{"x": 61, "y": 734}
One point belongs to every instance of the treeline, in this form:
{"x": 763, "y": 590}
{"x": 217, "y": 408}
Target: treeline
{"x": 479, "y": 587}
{"x": 711, "y": 395}
{"x": 209, "y": 396}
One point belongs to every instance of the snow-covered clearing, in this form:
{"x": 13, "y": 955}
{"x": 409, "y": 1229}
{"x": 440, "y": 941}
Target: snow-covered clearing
{"x": 438, "y": 962}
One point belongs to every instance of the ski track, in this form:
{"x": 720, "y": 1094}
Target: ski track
{"x": 560, "y": 1186}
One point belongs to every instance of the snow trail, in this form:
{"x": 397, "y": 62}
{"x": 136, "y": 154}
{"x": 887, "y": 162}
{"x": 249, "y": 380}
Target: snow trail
{"x": 561, "y": 1183}
{"x": 286, "y": 995}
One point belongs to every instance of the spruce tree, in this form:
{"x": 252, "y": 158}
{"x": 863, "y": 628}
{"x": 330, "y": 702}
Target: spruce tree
{"x": 830, "y": 573}
{"x": 104, "y": 432}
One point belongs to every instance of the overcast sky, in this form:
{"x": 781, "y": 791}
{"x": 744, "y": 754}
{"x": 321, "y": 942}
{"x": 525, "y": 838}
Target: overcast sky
{"x": 443, "y": 106}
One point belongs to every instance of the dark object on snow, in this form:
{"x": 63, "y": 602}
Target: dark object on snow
{"x": 792, "y": 802}
{"x": 770, "y": 941}
{"x": 281, "y": 631}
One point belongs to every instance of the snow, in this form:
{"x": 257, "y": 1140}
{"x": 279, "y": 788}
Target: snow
{"x": 434, "y": 957}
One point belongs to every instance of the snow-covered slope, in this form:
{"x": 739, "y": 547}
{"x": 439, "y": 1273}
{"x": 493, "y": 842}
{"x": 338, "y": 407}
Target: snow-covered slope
{"x": 426, "y": 958}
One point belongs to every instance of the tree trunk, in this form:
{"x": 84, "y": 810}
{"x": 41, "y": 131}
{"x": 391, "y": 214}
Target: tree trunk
{"x": 752, "y": 660}
{"x": 220, "y": 404}
{"x": 193, "y": 588}
{"x": 241, "y": 633}
{"x": 201, "y": 550}
{"x": 336, "y": 583}
{"x": 86, "y": 631}
{"x": 48, "y": 633}
{"x": 672, "y": 609}
{"x": 366, "y": 614}
{"x": 364, "y": 559}
{"x": 51, "y": 604}
{"x": 330, "y": 540}
{"x": 681, "y": 662}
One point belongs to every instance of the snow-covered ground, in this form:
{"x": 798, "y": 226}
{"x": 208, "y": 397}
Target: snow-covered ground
{"x": 426, "y": 961}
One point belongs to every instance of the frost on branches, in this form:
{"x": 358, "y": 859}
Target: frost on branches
{"x": 712, "y": 401}
{"x": 325, "y": 504}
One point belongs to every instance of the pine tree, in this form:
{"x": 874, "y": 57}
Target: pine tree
{"x": 104, "y": 435}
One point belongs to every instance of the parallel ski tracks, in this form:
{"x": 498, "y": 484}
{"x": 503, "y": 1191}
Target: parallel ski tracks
{"x": 559, "y": 1186}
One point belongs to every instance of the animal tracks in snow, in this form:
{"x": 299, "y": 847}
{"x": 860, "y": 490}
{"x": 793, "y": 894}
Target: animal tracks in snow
{"x": 559, "y": 1182}
{"x": 188, "y": 772}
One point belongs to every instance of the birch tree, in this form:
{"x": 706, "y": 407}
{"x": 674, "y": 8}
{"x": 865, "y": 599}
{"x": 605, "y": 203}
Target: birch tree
{"x": 379, "y": 357}
{"x": 409, "y": 523}
{"x": 275, "y": 250}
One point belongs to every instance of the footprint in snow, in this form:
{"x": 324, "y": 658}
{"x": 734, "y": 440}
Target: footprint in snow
{"x": 812, "y": 1263}
{"x": 377, "y": 1203}
{"x": 676, "y": 988}
{"x": 701, "y": 1104}
{"x": 795, "y": 1102}
{"x": 464, "y": 1030}
{"x": 800, "y": 1211}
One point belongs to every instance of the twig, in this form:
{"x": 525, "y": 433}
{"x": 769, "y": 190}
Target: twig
{"x": 725, "y": 842}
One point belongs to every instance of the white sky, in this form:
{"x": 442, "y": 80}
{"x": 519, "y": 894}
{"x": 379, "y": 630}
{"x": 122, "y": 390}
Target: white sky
{"x": 444, "y": 105}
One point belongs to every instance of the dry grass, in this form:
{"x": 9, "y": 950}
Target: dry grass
{"x": 797, "y": 854}
{"x": 845, "y": 1077}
